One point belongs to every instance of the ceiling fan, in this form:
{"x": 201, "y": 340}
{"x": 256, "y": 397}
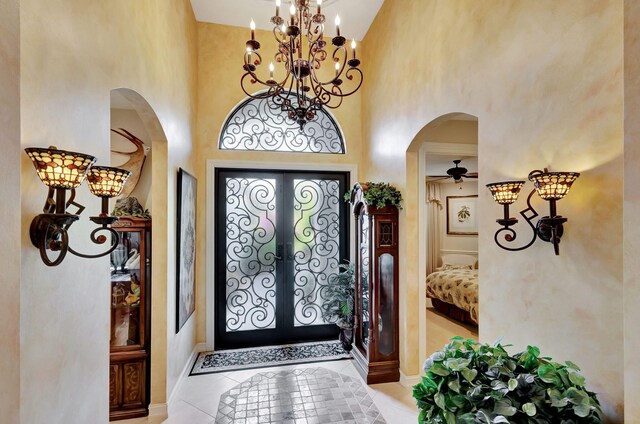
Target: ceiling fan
{"x": 457, "y": 173}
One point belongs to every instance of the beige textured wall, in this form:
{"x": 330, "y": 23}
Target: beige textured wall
{"x": 631, "y": 208}
{"x": 545, "y": 80}
{"x": 10, "y": 193}
{"x": 453, "y": 131}
{"x": 74, "y": 53}
{"x": 220, "y": 59}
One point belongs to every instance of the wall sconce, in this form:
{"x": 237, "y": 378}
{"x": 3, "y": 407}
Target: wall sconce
{"x": 550, "y": 186}
{"x": 61, "y": 170}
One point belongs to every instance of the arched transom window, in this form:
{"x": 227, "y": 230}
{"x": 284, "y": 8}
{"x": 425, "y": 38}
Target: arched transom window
{"x": 257, "y": 124}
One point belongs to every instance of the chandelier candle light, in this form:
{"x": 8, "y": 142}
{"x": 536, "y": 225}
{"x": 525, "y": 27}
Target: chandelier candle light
{"x": 301, "y": 93}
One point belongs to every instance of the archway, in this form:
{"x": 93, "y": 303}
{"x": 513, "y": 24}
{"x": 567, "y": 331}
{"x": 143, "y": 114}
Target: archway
{"x": 154, "y": 188}
{"x": 448, "y": 136}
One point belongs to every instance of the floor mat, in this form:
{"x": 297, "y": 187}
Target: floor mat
{"x": 269, "y": 356}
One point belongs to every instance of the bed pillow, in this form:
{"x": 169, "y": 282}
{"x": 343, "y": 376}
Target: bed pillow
{"x": 449, "y": 267}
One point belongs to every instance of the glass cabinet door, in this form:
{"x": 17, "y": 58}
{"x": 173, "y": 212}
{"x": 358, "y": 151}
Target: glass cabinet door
{"x": 127, "y": 291}
{"x": 386, "y": 313}
{"x": 364, "y": 269}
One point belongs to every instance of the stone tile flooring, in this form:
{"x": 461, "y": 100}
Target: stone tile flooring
{"x": 197, "y": 399}
{"x": 305, "y": 395}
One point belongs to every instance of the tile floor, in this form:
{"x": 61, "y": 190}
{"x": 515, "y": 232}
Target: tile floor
{"x": 310, "y": 395}
{"x": 198, "y": 399}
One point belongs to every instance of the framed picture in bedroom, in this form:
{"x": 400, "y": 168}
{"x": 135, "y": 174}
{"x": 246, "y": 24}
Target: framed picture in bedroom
{"x": 462, "y": 215}
{"x": 185, "y": 249}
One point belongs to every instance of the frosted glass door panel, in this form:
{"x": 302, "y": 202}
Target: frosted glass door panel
{"x": 316, "y": 219}
{"x": 250, "y": 254}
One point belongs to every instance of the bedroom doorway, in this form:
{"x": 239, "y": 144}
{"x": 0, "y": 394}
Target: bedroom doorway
{"x": 449, "y": 179}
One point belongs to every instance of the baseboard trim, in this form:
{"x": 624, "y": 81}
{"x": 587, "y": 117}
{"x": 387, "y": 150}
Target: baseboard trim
{"x": 159, "y": 409}
{"x": 199, "y": 347}
{"x": 409, "y": 380}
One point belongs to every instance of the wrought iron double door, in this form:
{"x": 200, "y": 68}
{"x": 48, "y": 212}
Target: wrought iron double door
{"x": 280, "y": 237}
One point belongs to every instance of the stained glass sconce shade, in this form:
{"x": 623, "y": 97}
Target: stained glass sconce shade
{"x": 553, "y": 185}
{"x": 105, "y": 181}
{"x": 505, "y": 193}
{"x": 60, "y": 168}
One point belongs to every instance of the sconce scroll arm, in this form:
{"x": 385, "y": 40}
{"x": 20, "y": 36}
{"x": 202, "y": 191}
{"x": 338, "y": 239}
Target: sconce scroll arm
{"x": 100, "y": 239}
{"x": 511, "y": 235}
{"x": 55, "y": 238}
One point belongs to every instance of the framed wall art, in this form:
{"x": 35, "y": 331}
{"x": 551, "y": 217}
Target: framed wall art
{"x": 462, "y": 215}
{"x": 185, "y": 249}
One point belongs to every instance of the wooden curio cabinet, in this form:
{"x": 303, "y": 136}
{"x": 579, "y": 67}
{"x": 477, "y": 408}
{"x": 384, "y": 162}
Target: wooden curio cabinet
{"x": 130, "y": 301}
{"x": 376, "y": 330}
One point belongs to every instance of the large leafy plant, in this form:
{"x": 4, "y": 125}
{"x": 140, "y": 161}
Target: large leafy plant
{"x": 339, "y": 297}
{"x": 468, "y": 382}
{"x": 380, "y": 195}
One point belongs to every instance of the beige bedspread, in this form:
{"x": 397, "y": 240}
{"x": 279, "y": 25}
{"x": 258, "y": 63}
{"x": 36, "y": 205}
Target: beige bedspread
{"x": 458, "y": 287}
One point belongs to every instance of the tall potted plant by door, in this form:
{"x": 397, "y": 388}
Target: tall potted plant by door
{"x": 339, "y": 303}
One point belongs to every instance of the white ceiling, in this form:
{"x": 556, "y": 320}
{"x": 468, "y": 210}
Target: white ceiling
{"x": 356, "y": 15}
{"x": 438, "y": 164}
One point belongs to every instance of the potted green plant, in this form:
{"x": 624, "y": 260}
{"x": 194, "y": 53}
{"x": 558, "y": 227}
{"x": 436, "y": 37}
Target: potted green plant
{"x": 469, "y": 382}
{"x": 339, "y": 301}
{"x": 380, "y": 195}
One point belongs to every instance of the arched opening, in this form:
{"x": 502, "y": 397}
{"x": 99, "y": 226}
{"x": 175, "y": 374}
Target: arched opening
{"x": 444, "y": 251}
{"x": 139, "y": 144}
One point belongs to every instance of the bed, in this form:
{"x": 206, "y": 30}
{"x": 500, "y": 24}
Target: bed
{"x": 453, "y": 288}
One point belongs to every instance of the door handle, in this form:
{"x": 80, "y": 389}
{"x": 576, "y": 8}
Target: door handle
{"x": 278, "y": 254}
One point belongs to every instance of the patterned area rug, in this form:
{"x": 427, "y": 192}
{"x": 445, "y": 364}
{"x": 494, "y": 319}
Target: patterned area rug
{"x": 270, "y": 356}
{"x": 310, "y": 395}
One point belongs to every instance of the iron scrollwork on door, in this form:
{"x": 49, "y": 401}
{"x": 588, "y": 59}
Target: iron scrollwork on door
{"x": 316, "y": 245}
{"x": 250, "y": 254}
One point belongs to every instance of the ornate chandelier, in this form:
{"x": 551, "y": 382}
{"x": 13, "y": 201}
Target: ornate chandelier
{"x": 302, "y": 92}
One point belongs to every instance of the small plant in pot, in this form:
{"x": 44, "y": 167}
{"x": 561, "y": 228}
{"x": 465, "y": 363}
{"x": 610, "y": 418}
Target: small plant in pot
{"x": 469, "y": 382}
{"x": 339, "y": 303}
{"x": 380, "y": 195}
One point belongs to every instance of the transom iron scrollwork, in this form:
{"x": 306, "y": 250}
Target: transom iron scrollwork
{"x": 258, "y": 124}
{"x": 250, "y": 254}
{"x": 316, "y": 246}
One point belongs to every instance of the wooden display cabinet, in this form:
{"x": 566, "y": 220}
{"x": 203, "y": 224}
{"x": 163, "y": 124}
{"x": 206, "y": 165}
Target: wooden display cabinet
{"x": 130, "y": 299}
{"x": 376, "y": 284}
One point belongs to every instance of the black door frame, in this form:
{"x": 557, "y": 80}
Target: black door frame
{"x": 285, "y": 331}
